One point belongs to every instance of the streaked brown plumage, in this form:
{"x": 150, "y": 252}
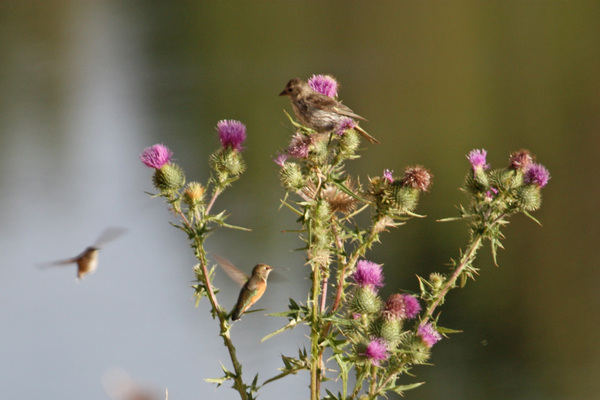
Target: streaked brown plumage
{"x": 318, "y": 111}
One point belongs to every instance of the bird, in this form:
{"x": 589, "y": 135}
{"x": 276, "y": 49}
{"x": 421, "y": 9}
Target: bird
{"x": 87, "y": 261}
{"x": 318, "y": 111}
{"x": 253, "y": 287}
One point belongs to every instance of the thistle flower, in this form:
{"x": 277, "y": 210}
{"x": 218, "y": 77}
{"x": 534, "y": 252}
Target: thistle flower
{"x": 324, "y": 84}
{"x": 344, "y": 125}
{"x": 520, "y": 160}
{"x": 300, "y": 146}
{"x": 280, "y": 159}
{"x": 428, "y": 335}
{"x": 417, "y": 177}
{"x": 477, "y": 160}
{"x": 401, "y": 306}
{"x": 412, "y": 307}
{"x": 388, "y": 176}
{"x": 232, "y": 134}
{"x": 537, "y": 174}
{"x": 489, "y": 195}
{"x": 376, "y": 351}
{"x": 156, "y": 156}
{"x": 368, "y": 274}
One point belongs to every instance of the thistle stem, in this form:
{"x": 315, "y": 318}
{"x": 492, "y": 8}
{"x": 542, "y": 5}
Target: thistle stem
{"x": 466, "y": 259}
{"x": 315, "y": 383}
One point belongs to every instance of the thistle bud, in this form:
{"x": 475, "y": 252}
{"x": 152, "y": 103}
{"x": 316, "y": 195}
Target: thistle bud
{"x": 417, "y": 352}
{"x": 478, "y": 181}
{"x": 389, "y": 329}
{"x": 529, "y": 197}
{"x": 227, "y": 162}
{"x": 193, "y": 194}
{"x": 291, "y": 176}
{"x": 349, "y": 142}
{"x": 365, "y": 301}
{"x": 169, "y": 178}
{"x": 436, "y": 281}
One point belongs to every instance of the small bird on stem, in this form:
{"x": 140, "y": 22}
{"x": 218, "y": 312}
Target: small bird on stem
{"x": 253, "y": 287}
{"x": 318, "y": 111}
{"x": 87, "y": 261}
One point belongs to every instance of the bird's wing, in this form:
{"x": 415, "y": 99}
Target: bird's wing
{"x": 328, "y": 104}
{"x": 58, "y": 263}
{"x": 235, "y": 274}
{"x": 109, "y": 235}
{"x": 343, "y": 110}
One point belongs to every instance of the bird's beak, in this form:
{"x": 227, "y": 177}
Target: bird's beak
{"x": 283, "y": 93}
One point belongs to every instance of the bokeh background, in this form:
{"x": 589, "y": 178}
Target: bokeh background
{"x": 86, "y": 86}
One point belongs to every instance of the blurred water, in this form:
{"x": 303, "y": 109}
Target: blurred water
{"x": 84, "y": 87}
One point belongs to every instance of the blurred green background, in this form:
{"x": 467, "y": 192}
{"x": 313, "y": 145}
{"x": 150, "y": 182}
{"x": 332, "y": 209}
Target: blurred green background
{"x": 85, "y": 86}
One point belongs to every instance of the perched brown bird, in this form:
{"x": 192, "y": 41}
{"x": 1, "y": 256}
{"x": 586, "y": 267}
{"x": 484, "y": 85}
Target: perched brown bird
{"x": 318, "y": 111}
{"x": 87, "y": 261}
{"x": 253, "y": 287}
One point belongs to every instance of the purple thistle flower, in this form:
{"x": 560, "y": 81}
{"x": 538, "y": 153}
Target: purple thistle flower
{"x": 489, "y": 195}
{"x": 344, "y": 125}
{"x": 299, "y": 146}
{"x": 401, "y": 306}
{"x": 412, "y": 307}
{"x": 156, "y": 156}
{"x": 477, "y": 159}
{"x": 376, "y": 351}
{"x": 324, "y": 84}
{"x": 280, "y": 159}
{"x": 429, "y": 335}
{"x": 537, "y": 174}
{"x": 387, "y": 176}
{"x": 368, "y": 274}
{"x": 231, "y": 133}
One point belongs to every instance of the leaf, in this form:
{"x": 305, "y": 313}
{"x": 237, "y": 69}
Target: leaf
{"x": 349, "y": 192}
{"x": 289, "y": 325}
{"x": 218, "y": 381}
{"x": 403, "y": 388}
{"x": 532, "y": 218}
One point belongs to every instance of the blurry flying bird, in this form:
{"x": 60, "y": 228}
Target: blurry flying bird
{"x": 87, "y": 261}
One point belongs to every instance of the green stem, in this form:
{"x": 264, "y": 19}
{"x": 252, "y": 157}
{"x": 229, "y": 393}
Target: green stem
{"x": 373, "y": 383}
{"x": 466, "y": 259}
{"x": 315, "y": 367}
{"x": 223, "y": 325}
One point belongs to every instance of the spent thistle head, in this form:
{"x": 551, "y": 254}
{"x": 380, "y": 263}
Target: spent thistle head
{"x": 520, "y": 160}
{"x": 417, "y": 177}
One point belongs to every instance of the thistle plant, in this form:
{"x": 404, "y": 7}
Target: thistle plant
{"x": 353, "y": 331}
